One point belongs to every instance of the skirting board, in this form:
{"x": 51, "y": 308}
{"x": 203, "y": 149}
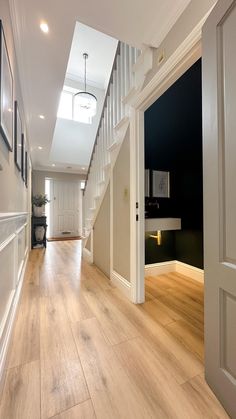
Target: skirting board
{"x": 87, "y": 255}
{"x": 10, "y": 323}
{"x": 160, "y": 268}
{"x": 121, "y": 283}
{"x": 191, "y": 271}
{"x": 175, "y": 266}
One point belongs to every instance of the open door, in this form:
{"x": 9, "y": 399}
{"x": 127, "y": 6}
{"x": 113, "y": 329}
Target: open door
{"x": 219, "y": 125}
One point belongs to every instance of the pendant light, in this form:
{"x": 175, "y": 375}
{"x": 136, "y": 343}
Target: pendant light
{"x": 84, "y": 102}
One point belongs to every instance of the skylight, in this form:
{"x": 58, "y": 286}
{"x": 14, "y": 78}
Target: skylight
{"x": 66, "y": 110}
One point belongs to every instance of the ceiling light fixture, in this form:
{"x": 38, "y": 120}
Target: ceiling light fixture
{"x": 44, "y": 27}
{"x": 85, "y": 101}
{"x": 41, "y": 116}
{"x": 40, "y": 148}
{"x": 53, "y": 165}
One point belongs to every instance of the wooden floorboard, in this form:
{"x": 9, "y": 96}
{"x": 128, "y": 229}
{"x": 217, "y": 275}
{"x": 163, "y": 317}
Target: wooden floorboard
{"x": 80, "y": 411}
{"x": 21, "y": 394}
{"x": 81, "y": 350}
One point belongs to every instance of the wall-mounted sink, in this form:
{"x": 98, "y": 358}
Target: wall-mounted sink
{"x": 162, "y": 224}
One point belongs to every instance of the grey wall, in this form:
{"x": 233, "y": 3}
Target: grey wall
{"x": 189, "y": 19}
{"x": 39, "y": 177}
{"x": 101, "y": 236}
{"x": 88, "y": 243}
{"x": 121, "y": 211}
{"x": 13, "y": 194}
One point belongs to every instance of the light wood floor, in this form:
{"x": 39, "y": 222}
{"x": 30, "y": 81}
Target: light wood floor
{"x": 81, "y": 350}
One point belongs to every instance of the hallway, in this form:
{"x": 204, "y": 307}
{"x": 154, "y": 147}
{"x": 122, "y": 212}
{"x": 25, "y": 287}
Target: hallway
{"x": 81, "y": 350}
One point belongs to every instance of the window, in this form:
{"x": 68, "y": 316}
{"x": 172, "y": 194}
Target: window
{"x": 82, "y": 185}
{"x": 66, "y": 109}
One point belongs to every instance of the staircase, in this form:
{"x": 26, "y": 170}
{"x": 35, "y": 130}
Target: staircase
{"x": 111, "y": 131}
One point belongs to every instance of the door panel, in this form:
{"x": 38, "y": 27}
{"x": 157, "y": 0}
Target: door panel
{"x": 65, "y": 208}
{"x": 228, "y": 312}
{"x": 219, "y": 149}
{"x": 227, "y": 62}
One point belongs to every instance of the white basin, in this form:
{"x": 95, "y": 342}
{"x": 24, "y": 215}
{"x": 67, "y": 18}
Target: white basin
{"x": 162, "y": 224}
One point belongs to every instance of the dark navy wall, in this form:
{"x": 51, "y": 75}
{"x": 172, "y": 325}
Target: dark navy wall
{"x": 173, "y": 142}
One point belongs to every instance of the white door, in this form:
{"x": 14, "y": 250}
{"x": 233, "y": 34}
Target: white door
{"x": 65, "y": 217}
{"x": 219, "y": 122}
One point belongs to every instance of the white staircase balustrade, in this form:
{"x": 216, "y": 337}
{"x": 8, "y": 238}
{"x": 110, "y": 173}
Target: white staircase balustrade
{"x": 115, "y": 114}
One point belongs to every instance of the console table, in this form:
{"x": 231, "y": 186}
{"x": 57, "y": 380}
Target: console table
{"x": 38, "y": 222}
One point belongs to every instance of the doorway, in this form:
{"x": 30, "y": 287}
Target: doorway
{"x": 185, "y": 57}
{"x": 174, "y": 205}
{"x": 173, "y": 162}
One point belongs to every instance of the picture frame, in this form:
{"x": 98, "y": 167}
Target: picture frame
{"x": 6, "y": 93}
{"x": 23, "y": 156}
{"x": 18, "y": 137}
{"x": 147, "y": 183}
{"x": 26, "y": 168}
{"x": 160, "y": 184}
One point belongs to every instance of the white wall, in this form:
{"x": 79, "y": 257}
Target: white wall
{"x": 101, "y": 236}
{"x": 121, "y": 211}
{"x": 13, "y": 194}
{"x": 14, "y": 230}
{"x": 189, "y": 19}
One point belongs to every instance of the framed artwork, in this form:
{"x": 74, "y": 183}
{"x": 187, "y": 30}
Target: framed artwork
{"x": 23, "y": 156}
{"x": 160, "y": 184}
{"x": 26, "y": 169}
{"x": 6, "y": 93}
{"x": 18, "y": 137}
{"x": 147, "y": 183}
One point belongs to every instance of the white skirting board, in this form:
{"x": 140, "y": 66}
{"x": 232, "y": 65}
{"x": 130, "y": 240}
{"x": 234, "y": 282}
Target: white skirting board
{"x": 87, "y": 255}
{"x": 175, "y": 266}
{"x": 121, "y": 283}
{"x": 191, "y": 271}
{"x": 160, "y": 268}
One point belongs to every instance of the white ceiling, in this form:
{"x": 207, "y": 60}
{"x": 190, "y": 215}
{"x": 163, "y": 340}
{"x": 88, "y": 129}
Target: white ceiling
{"x": 42, "y": 58}
{"x": 101, "y": 51}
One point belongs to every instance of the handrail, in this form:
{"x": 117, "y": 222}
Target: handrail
{"x": 102, "y": 113}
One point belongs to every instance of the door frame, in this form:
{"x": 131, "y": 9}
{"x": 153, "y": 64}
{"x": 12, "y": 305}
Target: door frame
{"x": 179, "y": 62}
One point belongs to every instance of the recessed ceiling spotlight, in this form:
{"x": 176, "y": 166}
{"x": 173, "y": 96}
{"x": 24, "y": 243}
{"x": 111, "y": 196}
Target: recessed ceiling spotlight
{"x": 41, "y": 116}
{"x": 44, "y": 27}
{"x": 40, "y": 147}
{"x": 53, "y": 165}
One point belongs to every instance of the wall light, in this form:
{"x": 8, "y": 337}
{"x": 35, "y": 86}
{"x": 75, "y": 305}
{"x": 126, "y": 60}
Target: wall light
{"x": 157, "y": 237}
